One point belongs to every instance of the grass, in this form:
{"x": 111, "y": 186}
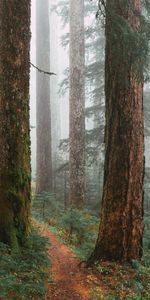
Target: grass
{"x": 23, "y": 275}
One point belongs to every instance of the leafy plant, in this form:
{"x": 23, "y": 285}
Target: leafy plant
{"x": 23, "y": 274}
{"x": 98, "y": 293}
{"x": 79, "y": 229}
{"x": 122, "y": 281}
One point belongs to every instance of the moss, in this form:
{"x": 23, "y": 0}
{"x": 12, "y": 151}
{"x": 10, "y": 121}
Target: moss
{"x": 15, "y": 189}
{"x": 8, "y": 232}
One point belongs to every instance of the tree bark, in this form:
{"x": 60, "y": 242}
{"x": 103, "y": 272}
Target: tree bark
{"x": 43, "y": 113}
{"x": 121, "y": 225}
{"x": 77, "y": 104}
{"x": 15, "y": 172}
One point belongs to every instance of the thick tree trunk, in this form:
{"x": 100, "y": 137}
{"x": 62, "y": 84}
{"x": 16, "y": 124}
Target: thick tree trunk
{"x": 15, "y": 173}
{"x": 43, "y": 114}
{"x": 77, "y": 104}
{"x": 121, "y": 226}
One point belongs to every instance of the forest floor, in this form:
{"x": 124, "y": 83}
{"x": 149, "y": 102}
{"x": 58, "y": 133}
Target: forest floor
{"x": 71, "y": 281}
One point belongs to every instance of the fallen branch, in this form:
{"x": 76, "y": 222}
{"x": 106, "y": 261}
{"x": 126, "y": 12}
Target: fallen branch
{"x": 42, "y": 71}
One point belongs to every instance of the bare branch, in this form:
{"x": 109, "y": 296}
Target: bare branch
{"x": 42, "y": 71}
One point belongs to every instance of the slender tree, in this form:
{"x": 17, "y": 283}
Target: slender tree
{"x": 77, "y": 103}
{"x": 94, "y": 87}
{"x": 43, "y": 115}
{"x": 15, "y": 170}
{"x": 54, "y": 86}
{"x": 121, "y": 226}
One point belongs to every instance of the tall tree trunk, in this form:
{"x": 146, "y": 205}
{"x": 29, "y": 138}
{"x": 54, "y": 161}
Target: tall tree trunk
{"x": 15, "y": 173}
{"x": 121, "y": 225}
{"x": 54, "y": 87}
{"x": 43, "y": 114}
{"x": 77, "y": 104}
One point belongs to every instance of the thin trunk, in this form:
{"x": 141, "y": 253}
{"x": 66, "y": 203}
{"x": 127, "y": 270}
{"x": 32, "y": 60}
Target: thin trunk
{"x": 77, "y": 104}
{"x": 54, "y": 94}
{"x": 15, "y": 173}
{"x": 121, "y": 226}
{"x": 54, "y": 85}
{"x": 43, "y": 114}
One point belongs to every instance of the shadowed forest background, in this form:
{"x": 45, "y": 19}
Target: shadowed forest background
{"x": 75, "y": 149}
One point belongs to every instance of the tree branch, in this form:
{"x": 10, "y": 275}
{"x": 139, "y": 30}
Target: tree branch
{"x": 42, "y": 71}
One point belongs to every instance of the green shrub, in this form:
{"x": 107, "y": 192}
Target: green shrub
{"x": 79, "y": 228}
{"x": 23, "y": 275}
{"x": 45, "y": 207}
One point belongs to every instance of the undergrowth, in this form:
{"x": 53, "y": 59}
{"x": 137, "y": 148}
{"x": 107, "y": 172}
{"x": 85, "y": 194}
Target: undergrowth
{"x": 78, "y": 229}
{"x": 129, "y": 282}
{"x": 23, "y": 275}
{"x": 122, "y": 281}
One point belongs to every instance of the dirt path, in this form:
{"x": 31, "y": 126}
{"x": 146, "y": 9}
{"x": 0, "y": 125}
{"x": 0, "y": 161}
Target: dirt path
{"x": 70, "y": 282}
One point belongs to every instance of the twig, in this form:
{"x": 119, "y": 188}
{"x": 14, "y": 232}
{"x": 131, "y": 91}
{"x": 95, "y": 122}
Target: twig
{"x": 42, "y": 71}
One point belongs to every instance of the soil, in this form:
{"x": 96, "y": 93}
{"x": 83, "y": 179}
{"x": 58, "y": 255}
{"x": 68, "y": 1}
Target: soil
{"x": 71, "y": 281}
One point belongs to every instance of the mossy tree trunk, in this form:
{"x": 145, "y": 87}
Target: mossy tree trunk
{"x": 43, "y": 114}
{"x": 15, "y": 173}
{"x": 77, "y": 104}
{"x": 121, "y": 225}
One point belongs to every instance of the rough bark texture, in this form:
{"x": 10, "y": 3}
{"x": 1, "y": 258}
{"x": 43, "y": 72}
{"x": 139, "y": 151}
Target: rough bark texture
{"x": 43, "y": 114}
{"x": 77, "y": 103}
{"x": 15, "y": 170}
{"x": 121, "y": 226}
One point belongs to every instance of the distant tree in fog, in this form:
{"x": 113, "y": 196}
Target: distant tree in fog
{"x": 43, "y": 111}
{"x": 77, "y": 104}
{"x": 54, "y": 86}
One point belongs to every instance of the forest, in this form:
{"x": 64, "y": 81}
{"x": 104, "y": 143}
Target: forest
{"x": 75, "y": 149}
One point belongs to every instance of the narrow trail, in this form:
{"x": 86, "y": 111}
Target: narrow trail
{"x": 70, "y": 281}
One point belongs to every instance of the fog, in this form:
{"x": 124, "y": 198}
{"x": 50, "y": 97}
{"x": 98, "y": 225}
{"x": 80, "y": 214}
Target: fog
{"x": 58, "y": 65}
{"x": 59, "y": 62}
{"x": 90, "y": 144}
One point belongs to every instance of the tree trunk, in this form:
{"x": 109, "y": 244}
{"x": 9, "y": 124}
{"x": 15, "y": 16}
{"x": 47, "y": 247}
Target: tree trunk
{"x": 15, "y": 173}
{"x": 54, "y": 92}
{"x": 77, "y": 104}
{"x": 121, "y": 225}
{"x": 43, "y": 114}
